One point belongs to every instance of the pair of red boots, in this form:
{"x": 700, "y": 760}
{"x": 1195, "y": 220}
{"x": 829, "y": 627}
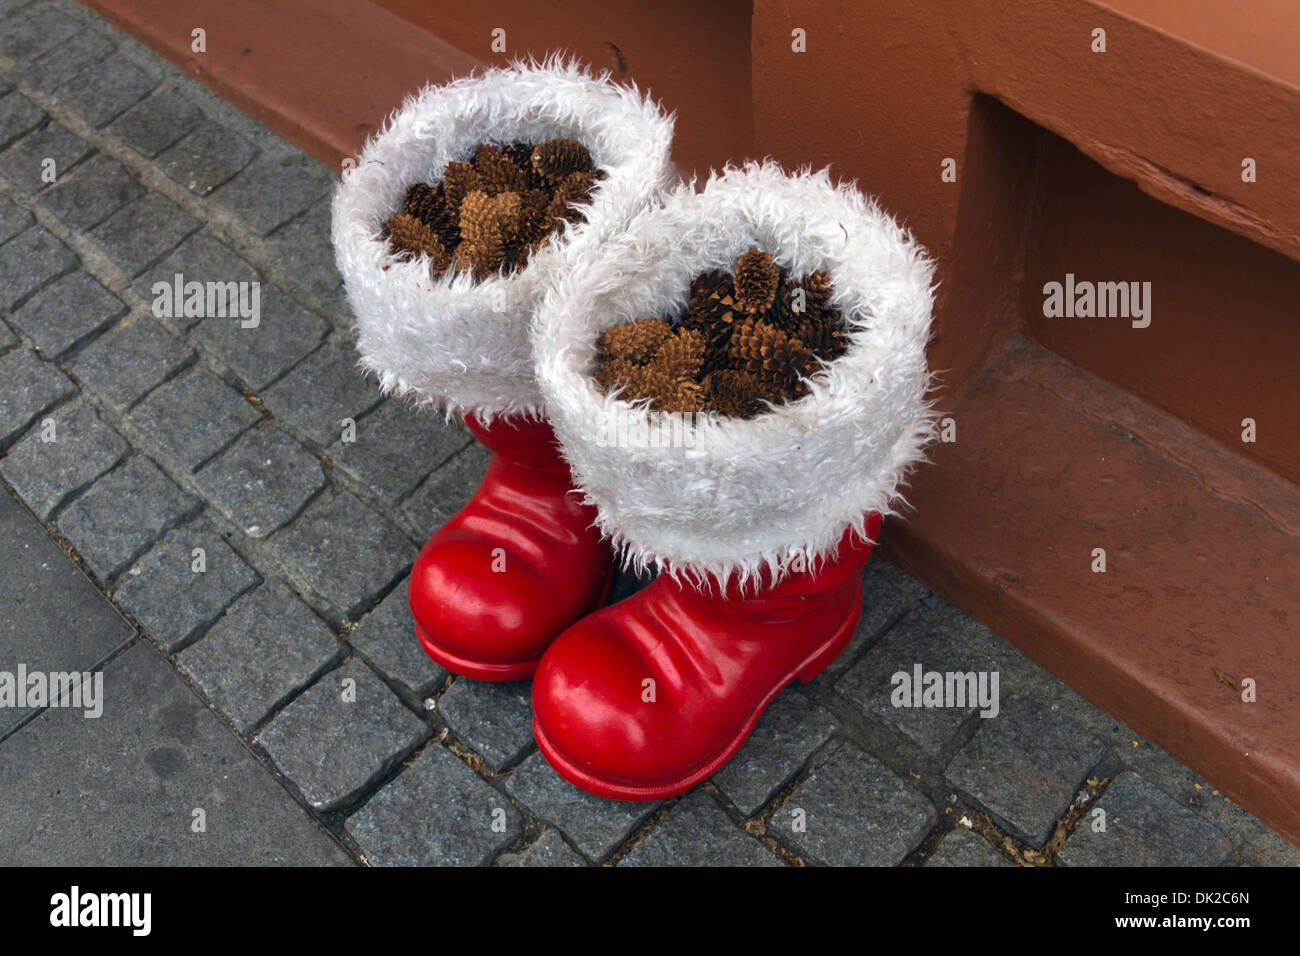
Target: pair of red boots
{"x": 645, "y": 698}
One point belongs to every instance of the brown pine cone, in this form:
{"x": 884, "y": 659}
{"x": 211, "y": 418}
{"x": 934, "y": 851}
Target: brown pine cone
{"x": 521, "y": 154}
{"x": 817, "y": 287}
{"x": 612, "y": 374}
{"x": 704, "y": 286}
{"x": 757, "y": 277}
{"x": 558, "y": 158}
{"x": 409, "y": 237}
{"x": 731, "y": 393}
{"x": 574, "y": 188}
{"x": 822, "y": 334}
{"x": 635, "y": 342}
{"x": 681, "y": 356}
{"x": 497, "y": 173}
{"x": 483, "y": 240}
{"x": 458, "y": 180}
{"x": 772, "y": 357}
{"x": 423, "y": 201}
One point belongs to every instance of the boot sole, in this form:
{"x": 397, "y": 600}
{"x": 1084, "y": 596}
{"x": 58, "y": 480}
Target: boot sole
{"x": 813, "y": 665}
{"x": 493, "y": 671}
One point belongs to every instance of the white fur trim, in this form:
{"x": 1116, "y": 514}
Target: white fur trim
{"x": 746, "y": 497}
{"x": 449, "y": 340}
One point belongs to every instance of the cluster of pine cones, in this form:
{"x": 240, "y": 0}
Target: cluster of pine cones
{"x": 496, "y": 210}
{"x": 743, "y": 340}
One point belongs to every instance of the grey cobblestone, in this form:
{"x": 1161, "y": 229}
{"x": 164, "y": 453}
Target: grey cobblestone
{"x": 344, "y": 551}
{"x": 129, "y": 360}
{"x": 194, "y": 416}
{"x": 67, "y": 313}
{"x": 143, "y": 231}
{"x": 206, "y": 158}
{"x": 18, "y": 115}
{"x": 274, "y": 188}
{"x": 696, "y": 832}
{"x": 63, "y": 62}
{"x": 789, "y": 731}
{"x": 158, "y": 122}
{"x": 260, "y": 354}
{"x": 34, "y": 31}
{"x": 549, "y": 849}
{"x": 343, "y": 732}
{"x": 28, "y": 388}
{"x": 495, "y": 719}
{"x": 1143, "y": 827}
{"x": 395, "y": 446}
{"x": 200, "y": 258}
{"x": 44, "y": 473}
{"x": 106, "y": 89}
{"x": 13, "y": 219}
{"x": 91, "y": 193}
{"x": 321, "y": 392}
{"x": 853, "y": 811}
{"x": 28, "y": 261}
{"x": 594, "y": 825}
{"x": 122, "y": 514}
{"x": 307, "y": 261}
{"x": 446, "y": 490}
{"x": 386, "y": 637}
{"x": 1025, "y": 765}
{"x": 23, "y": 163}
{"x": 174, "y": 598}
{"x": 438, "y": 812}
{"x": 964, "y": 848}
{"x": 259, "y": 653}
{"x": 262, "y": 480}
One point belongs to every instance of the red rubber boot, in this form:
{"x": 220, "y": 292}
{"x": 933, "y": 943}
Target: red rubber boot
{"x": 716, "y": 663}
{"x": 516, "y": 566}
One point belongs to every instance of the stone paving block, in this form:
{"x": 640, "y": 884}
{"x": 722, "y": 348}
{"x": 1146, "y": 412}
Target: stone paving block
{"x": 45, "y": 467}
{"x": 122, "y": 514}
{"x": 63, "y": 62}
{"x": 1269, "y": 849}
{"x": 200, "y": 258}
{"x": 143, "y": 231}
{"x": 340, "y": 735}
{"x": 262, "y": 480}
{"x": 494, "y": 719}
{"x": 1144, "y": 827}
{"x": 962, "y": 847}
{"x": 871, "y": 684}
{"x": 206, "y": 158}
{"x": 437, "y": 812}
{"x": 194, "y": 416}
{"x": 34, "y": 31}
{"x": 395, "y": 446}
{"x": 789, "y": 731}
{"x": 259, "y": 653}
{"x": 28, "y": 261}
{"x": 25, "y": 162}
{"x": 106, "y": 89}
{"x": 446, "y": 490}
{"x": 158, "y": 122}
{"x": 122, "y": 790}
{"x": 55, "y": 619}
{"x": 344, "y": 551}
{"x": 386, "y": 638}
{"x": 305, "y": 254}
{"x": 696, "y": 832}
{"x": 8, "y": 338}
{"x": 1025, "y": 766}
{"x": 549, "y": 849}
{"x": 28, "y": 388}
{"x": 129, "y": 360}
{"x": 274, "y": 188}
{"x": 321, "y": 392}
{"x": 853, "y": 811}
{"x": 67, "y": 313}
{"x": 18, "y": 116}
{"x": 285, "y": 333}
{"x": 91, "y": 193}
{"x": 594, "y": 825}
{"x": 183, "y": 584}
{"x": 13, "y": 219}
{"x": 887, "y": 594}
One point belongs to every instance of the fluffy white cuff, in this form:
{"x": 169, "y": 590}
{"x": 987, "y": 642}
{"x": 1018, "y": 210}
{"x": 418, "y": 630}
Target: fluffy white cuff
{"x": 448, "y": 340}
{"x": 752, "y": 497}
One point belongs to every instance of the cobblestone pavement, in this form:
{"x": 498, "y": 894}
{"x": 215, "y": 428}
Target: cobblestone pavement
{"x": 173, "y": 434}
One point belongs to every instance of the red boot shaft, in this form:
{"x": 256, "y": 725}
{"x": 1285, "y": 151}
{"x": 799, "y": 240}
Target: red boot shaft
{"x": 515, "y": 567}
{"x": 715, "y": 662}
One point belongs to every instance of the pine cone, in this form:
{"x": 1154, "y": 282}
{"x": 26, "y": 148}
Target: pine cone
{"x": 635, "y": 342}
{"x": 521, "y": 154}
{"x": 757, "y": 277}
{"x": 458, "y": 180}
{"x": 423, "y": 202}
{"x": 704, "y": 286}
{"x": 772, "y": 357}
{"x": 558, "y": 158}
{"x": 681, "y": 356}
{"x": 574, "y": 188}
{"x": 613, "y": 374}
{"x": 496, "y": 172}
{"x": 410, "y": 237}
{"x": 823, "y": 335}
{"x": 731, "y": 393}
{"x": 817, "y": 286}
{"x": 482, "y": 245}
